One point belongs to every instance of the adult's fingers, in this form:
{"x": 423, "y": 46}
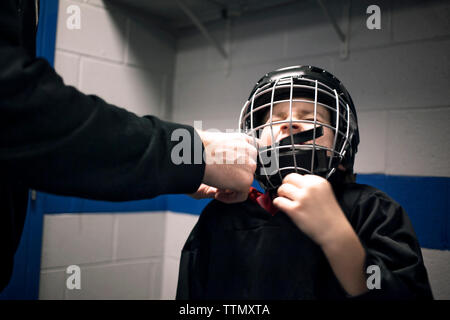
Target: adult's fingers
{"x": 204, "y": 191}
{"x": 251, "y": 140}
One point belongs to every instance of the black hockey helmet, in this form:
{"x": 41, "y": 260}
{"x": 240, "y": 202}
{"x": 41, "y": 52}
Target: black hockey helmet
{"x": 299, "y": 152}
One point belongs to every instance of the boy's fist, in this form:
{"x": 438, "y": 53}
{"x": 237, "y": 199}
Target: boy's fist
{"x": 310, "y": 202}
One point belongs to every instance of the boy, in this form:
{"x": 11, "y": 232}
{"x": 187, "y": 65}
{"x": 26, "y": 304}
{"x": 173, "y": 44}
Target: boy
{"x": 314, "y": 233}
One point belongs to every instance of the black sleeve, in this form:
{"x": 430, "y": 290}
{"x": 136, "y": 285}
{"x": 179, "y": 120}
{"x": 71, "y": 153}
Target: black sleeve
{"x": 390, "y": 243}
{"x": 56, "y": 139}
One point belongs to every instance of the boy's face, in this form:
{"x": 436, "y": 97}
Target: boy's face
{"x": 300, "y": 111}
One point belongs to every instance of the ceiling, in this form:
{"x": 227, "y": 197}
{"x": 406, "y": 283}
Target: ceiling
{"x": 170, "y": 11}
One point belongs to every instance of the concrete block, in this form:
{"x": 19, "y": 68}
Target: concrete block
{"x": 418, "y": 142}
{"x": 170, "y": 278}
{"x": 140, "y": 235}
{"x": 75, "y": 239}
{"x": 102, "y": 33}
{"x": 403, "y": 76}
{"x": 254, "y": 42}
{"x": 124, "y": 281}
{"x": 150, "y": 47}
{"x": 52, "y": 285}
{"x": 178, "y": 228}
{"x": 98, "y": 3}
{"x": 310, "y": 33}
{"x": 360, "y": 35}
{"x": 197, "y": 97}
{"x": 67, "y": 66}
{"x": 371, "y": 156}
{"x": 416, "y": 20}
{"x": 223, "y": 33}
{"x": 191, "y": 53}
{"x": 166, "y": 105}
{"x": 196, "y": 55}
{"x": 134, "y": 89}
{"x": 438, "y": 268}
{"x": 156, "y": 279}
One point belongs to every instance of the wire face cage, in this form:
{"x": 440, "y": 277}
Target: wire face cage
{"x": 305, "y": 122}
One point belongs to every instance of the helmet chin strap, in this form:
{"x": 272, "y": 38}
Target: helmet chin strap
{"x": 301, "y": 137}
{"x": 271, "y": 178}
{"x": 297, "y": 138}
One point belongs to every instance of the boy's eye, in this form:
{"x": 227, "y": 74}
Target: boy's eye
{"x": 318, "y": 118}
{"x": 274, "y": 118}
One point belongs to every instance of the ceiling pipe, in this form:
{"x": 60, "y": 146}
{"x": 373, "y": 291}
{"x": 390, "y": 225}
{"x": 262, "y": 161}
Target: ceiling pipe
{"x": 330, "y": 17}
{"x": 201, "y": 27}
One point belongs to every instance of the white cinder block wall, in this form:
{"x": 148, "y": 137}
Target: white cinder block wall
{"x": 129, "y": 63}
{"x": 398, "y": 77}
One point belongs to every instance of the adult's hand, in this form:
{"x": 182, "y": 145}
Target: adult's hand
{"x": 230, "y": 166}
{"x": 226, "y": 196}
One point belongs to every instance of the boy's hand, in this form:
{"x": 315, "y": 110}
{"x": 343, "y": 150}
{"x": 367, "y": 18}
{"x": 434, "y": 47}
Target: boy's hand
{"x": 310, "y": 202}
{"x": 226, "y": 196}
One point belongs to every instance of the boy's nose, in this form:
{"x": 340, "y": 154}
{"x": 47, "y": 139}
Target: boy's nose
{"x": 286, "y": 128}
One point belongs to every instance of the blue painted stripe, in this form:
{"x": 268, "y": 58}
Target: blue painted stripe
{"x": 186, "y": 204}
{"x": 181, "y": 203}
{"x": 46, "y": 33}
{"x": 24, "y": 283}
{"x": 425, "y": 199}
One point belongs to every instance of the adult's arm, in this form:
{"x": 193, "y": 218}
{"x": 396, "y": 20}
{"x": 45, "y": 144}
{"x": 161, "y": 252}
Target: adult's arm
{"x": 56, "y": 139}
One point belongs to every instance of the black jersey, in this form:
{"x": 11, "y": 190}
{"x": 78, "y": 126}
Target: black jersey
{"x": 241, "y": 251}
